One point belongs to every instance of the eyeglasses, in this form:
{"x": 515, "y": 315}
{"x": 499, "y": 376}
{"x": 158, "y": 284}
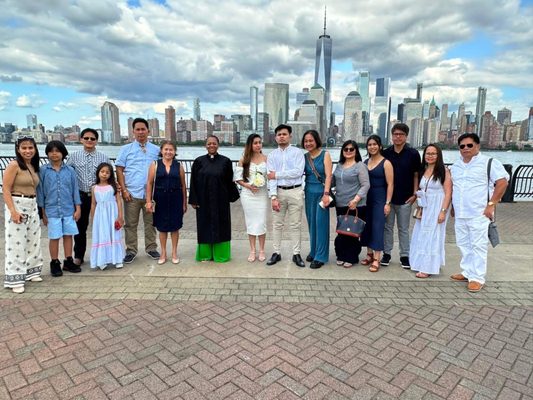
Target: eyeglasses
{"x": 348, "y": 149}
{"x": 469, "y": 145}
{"x": 399, "y": 134}
{"x": 92, "y": 139}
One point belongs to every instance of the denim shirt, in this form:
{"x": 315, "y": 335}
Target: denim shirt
{"x": 58, "y": 191}
{"x": 136, "y": 163}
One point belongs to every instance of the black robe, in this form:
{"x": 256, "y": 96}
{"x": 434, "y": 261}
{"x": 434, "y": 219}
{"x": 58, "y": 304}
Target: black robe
{"x": 212, "y": 189}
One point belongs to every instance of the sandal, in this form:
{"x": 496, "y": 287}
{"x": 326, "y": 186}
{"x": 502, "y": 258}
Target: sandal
{"x": 262, "y": 256}
{"x": 375, "y": 266}
{"x": 368, "y": 260}
{"x": 251, "y": 257}
{"x": 340, "y": 263}
{"x": 347, "y": 265}
{"x": 422, "y": 275}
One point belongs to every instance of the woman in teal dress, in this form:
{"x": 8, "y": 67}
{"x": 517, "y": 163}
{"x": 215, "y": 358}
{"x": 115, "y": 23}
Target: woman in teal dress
{"x": 317, "y": 186}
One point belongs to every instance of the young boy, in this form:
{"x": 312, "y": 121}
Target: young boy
{"x": 59, "y": 198}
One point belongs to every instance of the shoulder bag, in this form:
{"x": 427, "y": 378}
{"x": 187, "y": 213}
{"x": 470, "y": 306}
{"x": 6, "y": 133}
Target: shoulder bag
{"x": 494, "y": 236}
{"x": 349, "y": 225}
{"x": 319, "y": 178}
{"x": 417, "y": 214}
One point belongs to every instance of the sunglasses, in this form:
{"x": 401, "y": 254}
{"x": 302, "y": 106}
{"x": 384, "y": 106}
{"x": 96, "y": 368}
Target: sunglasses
{"x": 469, "y": 145}
{"x": 22, "y": 138}
{"x": 348, "y": 149}
{"x": 92, "y": 139}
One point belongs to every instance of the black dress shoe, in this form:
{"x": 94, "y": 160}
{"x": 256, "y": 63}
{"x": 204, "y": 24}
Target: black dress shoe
{"x": 274, "y": 259}
{"x": 316, "y": 264}
{"x": 309, "y": 258}
{"x": 297, "y": 259}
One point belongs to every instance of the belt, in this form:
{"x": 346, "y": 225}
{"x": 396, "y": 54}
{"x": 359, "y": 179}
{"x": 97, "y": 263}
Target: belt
{"x": 289, "y": 187}
{"x": 88, "y": 194}
{"x": 23, "y": 195}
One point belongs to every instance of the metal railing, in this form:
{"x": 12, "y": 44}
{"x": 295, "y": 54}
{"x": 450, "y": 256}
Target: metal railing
{"x": 521, "y": 185}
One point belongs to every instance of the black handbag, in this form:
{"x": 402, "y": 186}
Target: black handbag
{"x": 350, "y": 225}
{"x": 317, "y": 175}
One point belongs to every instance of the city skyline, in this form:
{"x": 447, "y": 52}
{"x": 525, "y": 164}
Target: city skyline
{"x": 120, "y": 52}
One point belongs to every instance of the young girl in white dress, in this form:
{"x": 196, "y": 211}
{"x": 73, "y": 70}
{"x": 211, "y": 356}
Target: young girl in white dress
{"x": 435, "y": 194}
{"x": 251, "y": 174}
{"x": 107, "y": 219}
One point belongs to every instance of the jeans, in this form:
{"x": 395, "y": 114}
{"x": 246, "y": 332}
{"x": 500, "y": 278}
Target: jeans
{"x": 403, "y": 214}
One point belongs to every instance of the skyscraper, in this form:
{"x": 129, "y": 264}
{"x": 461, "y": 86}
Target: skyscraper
{"x": 253, "y": 106}
{"x": 419, "y": 87}
{"x": 276, "y": 103}
{"x": 153, "y": 127}
{"x": 480, "y": 108}
{"x": 197, "y": 115}
{"x": 31, "y": 120}
{"x": 323, "y": 68}
{"x": 353, "y": 117}
{"x": 110, "y": 123}
{"x": 444, "y": 121}
{"x": 364, "y": 90}
{"x": 504, "y": 116}
{"x": 382, "y": 107}
{"x": 170, "y": 124}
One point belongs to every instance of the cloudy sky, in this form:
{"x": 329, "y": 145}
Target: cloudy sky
{"x": 61, "y": 59}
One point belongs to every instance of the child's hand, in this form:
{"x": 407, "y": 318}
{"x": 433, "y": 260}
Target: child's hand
{"x": 45, "y": 220}
{"x": 77, "y": 215}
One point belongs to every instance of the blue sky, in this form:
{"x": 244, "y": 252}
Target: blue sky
{"x": 62, "y": 60}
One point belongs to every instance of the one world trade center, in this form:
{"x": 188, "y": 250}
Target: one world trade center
{"x": 323, "y": 71}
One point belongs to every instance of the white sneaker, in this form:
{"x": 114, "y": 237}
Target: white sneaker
{"x": 118, "y": 266}
{"x": 18, "y": 289}
{"x": 36, "y": 279}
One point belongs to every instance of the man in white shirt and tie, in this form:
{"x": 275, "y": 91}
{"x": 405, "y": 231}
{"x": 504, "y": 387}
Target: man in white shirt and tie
{"x": 285, "y": 167}
{"x": 474, "y": 198}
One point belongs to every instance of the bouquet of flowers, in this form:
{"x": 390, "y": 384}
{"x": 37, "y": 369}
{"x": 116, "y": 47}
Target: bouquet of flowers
{"x": 258, "y": 179}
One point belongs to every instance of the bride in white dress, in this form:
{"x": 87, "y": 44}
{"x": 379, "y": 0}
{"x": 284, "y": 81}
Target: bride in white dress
{"x": 427, "y": 243}
{"x": 251, "y": 174}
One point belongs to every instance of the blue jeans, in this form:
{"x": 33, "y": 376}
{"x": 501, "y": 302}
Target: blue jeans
{"x": 403, "y": 214}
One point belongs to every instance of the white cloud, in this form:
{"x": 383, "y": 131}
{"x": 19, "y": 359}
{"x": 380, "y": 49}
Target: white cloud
{"x": 4, "y": 99}
{"x": 29, "y": 101}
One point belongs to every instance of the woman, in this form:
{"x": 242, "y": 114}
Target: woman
{"x": 351, "y": 184}
{"x": 378, "y": 201}
{"x": 318, "y": 167}
{"x": 23, "y": 258}
{"x": 435, "y": 194}
{"x": 166, "y": 187}
{"x": 212, "y": 190}
{"x": 251, "y": 175}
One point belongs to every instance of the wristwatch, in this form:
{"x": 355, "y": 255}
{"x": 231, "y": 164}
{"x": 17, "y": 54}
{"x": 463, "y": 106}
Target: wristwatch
{"x": 387, "y": 203}
{"x": 490, "y": 203}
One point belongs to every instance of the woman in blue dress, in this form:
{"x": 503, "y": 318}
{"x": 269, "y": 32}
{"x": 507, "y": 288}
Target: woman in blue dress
{"x": 167, "y": 189}
{"x": 378, "y": 200}
{"x": 317, "y": 186}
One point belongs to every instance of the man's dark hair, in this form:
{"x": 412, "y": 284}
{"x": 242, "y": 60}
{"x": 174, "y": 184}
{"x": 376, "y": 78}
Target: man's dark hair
{"x": 283, "y": 126}
{"x": 56, "y": 145}
{"x": 90, "y": 130}
{"x": 141, "y": 120}
{"x": 401, "y": 127}
{"x": 212, "y": 136}
{"x": 472, "y": 136}
{"x": 315, "y": 136}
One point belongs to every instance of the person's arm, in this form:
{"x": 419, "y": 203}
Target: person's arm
{"x": 389, "y": 177}
{"x": 328, "y": 169}
{"x": 272, "y": 184}
{"x": 417, "y": 165}
{"x": 75, "y": 194}
{"x": 193, "y": 198}
{"x": 120, "y": 207}
{"x": 298, "y": 167}
{"x": 364, "y": 181}
{"x": 7, "y": 185}
{"x": 122, "y": 182}
{"x": 41, "y": 197}
{"x": 183, "y": 188}
{"x": 447, "y": 197}
{"x": 499, "y": 189}
{"x": 93, "y": 205}
{"x": 149, "y": 187}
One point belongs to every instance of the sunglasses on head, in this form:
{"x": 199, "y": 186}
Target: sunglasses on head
{"x": 92, "y": 139}
{"x": 349, "y": 149}
{"x": 469, "y": 145}
{"x": 26, "y": 137}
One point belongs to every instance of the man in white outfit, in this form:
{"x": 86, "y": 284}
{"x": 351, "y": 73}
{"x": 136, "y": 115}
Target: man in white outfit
{"x": 285, "y": 167}
{"x": 474, "y": 200}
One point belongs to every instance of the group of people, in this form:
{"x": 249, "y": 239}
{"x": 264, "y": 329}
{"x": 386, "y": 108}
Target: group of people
{"x": 69, "y": 195}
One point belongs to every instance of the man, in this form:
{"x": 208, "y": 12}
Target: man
{"x": 132, "y": 166}
{"x": 474, "y": 200}
{"x": 285, "y": 167}
{"x": 85, "y": 163}
{"x": 406, "y": 163}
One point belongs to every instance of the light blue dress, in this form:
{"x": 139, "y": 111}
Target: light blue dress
{"x": 107, "y": 247}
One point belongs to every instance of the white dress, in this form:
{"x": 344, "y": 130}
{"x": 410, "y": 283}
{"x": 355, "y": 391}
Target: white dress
{"x": 255, "y": 205}
{"x": 427, "y": 243}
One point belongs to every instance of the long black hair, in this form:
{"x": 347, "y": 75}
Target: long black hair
{"x": 248, "y": 154}
{"x": 358, "y": 157}
{"x": 376, "y": 139}
{"x": 111, "y": 181}
{"x": 439, "y": 171}
{"x": 34, "y": 160}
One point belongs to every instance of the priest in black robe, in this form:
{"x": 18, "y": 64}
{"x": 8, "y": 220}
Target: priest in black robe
{"x": 211, "y": 191}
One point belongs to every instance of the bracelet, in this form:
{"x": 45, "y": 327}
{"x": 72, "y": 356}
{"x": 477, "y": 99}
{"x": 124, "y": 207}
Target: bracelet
{"x": 326, "y": 193}
{"x": 443, "y": 210}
